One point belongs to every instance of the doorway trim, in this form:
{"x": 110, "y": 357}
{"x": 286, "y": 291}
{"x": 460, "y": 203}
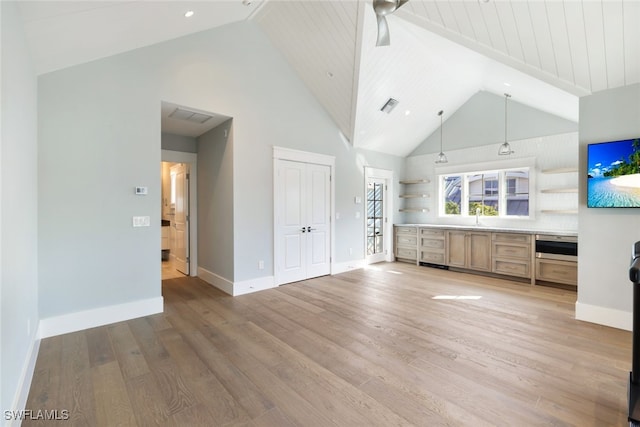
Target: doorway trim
{"x": 282, "y": 153}
{"x": 192, "y": 160}
{"x": 387, "y": 176}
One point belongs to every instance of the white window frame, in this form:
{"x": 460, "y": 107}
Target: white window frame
{"x": 501, "y": 167}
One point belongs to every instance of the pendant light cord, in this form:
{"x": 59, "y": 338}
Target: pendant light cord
{"x": 506, "y": 98}
{"x": 440, "y": 114}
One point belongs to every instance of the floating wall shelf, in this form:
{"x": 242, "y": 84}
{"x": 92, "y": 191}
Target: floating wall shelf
{"x": 413, "y": 210}
{"x": 414, "y": 196}
{"x": 414, "y": 181}
{"x": 560, "y": 170}
{"x": 560, "y": 190}
{"x": 560, "y": 211}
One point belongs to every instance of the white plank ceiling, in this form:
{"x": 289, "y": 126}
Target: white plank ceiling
{"x": 546, "y": 53}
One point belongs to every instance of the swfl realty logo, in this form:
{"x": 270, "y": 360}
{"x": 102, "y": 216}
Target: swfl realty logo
{"x": 40, "y": 414}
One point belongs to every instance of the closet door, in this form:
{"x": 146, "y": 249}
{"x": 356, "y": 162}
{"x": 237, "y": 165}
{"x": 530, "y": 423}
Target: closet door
{"x": 303, "y": 238}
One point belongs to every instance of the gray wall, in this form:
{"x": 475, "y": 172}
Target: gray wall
{"x": 606, "y": 235}
{"x": 185, "y": 144}
{"x": 86, "y": 205}
{"x": 215, "y": 201}
{"x": 18, "y": 205}
{"x": 480, "y": 121}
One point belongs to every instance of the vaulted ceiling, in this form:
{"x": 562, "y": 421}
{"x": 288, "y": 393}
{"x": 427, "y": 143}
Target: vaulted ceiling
{"x": 545, "y": 53}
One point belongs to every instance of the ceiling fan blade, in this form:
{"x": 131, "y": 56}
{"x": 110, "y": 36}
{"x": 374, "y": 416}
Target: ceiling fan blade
{"x": 400, "y": 3}
{"x": 383, "y": 32}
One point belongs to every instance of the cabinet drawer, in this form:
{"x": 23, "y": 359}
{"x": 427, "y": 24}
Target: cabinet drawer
{"x": 432, "y": 257}
{"x": 512, "y": 237}
{"x": 431, "y": 243}
{"x": 512, "y": 268}
{"x": 511, "y": 251}
{"x": 406, "y": 253}
{"x": 407, "y": 230}
{"x": 557, "y": 271}
{"x": 432, "y": 234}
{"x": 402, "y": 240}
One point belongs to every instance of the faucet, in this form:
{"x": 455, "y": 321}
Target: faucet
{"x": 477, "y": 216}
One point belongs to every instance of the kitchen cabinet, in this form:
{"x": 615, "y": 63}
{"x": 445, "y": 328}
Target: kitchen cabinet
{"x": 469, "y": 249}
{"x": 557, "y": 271}
{"x": 406, "y": 244}
{"x": 432, "y": 246}
{"x": 511, "y": 254}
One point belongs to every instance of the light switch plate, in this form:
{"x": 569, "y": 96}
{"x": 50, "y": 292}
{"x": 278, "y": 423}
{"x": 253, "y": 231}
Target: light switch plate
{"x": 141, "y": 221}
{"x": 142, "y": 191}
{"x": 357, "y": 200}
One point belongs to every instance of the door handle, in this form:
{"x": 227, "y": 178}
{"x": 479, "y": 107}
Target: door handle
{"x": 309, "y": 229}
{"x": 303, "y": 229}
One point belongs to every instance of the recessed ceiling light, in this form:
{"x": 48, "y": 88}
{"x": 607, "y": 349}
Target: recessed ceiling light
{"x": 246, "y": 2}
{"x": 406, "y": 113}
{"x": 189, "y": 13}
{"x": 507, "y": 84}
{"x": 329, "y": 74}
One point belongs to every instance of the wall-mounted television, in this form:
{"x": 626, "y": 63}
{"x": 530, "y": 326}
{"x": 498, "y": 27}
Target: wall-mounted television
{"x": 614, "y": 174}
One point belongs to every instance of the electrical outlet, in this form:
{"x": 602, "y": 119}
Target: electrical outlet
{"x": 261, "y": 265}
{"x": 350, "y": 251}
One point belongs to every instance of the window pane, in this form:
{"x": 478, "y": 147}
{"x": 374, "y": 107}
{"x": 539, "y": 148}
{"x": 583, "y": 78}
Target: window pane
{"x": 517, "y": 192}
{"x": 483, "y": 194}
{"x": 452, "y": 194}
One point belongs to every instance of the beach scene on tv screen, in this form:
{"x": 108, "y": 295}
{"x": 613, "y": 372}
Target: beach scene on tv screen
{"x": 614, "y": 174}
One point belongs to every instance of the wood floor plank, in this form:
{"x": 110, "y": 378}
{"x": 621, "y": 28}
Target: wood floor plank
{"x": 147, "y": 400}
{"x": 130, "y": 358}
{"x": 233, "y": 379}
{"x": 367, "y": 347}
{"x": 45, "y": 392}
{"x": 205, "y": 386}
{"x": 77, "y": 387}
{"x": 113, "y": 407}
{"x": 147, "y": 338}
{"x": 100, "y": 350}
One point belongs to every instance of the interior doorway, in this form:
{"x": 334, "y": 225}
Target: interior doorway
{"x": 179, "y": 236}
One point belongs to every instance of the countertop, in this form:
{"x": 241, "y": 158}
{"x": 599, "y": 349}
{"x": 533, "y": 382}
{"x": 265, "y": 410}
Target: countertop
{"x": 488, "y": 228}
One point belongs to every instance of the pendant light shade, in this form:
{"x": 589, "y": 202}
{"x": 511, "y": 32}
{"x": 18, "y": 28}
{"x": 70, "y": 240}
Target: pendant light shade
{"x": 442, "y": 158}
{"x": 505, "y": 148}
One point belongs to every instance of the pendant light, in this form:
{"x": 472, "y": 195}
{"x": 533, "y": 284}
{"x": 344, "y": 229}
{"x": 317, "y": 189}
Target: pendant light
{"x": 505, "y": 148}
{"x": 441, "y": 157}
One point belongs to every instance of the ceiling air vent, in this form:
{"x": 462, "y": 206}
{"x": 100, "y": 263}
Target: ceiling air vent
{"x": 190, "y": 116}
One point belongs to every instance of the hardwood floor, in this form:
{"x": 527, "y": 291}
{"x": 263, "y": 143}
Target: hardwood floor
{"x": 380, "y": 346}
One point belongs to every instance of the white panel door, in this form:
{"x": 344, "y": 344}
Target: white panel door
{"x": 180, "y": 176}
{"x": 303, "y": 237}
{"x": 291, "y": 222}
{"x": 318, "y": 198}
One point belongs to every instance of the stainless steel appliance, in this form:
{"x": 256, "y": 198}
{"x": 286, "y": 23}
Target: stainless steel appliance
{"x": 557, "y": 247}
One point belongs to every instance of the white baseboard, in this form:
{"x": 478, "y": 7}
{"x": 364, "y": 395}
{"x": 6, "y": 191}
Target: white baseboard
{"x": 216, "y": 281}
{"x": 253, "y": 285}
{"x": 236, "y": 288}
{"x": 80, "y": 320}
{"x": 604, "y": 316}
{"x": 342, "y": 267}
{"x": 24, "y": 384}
